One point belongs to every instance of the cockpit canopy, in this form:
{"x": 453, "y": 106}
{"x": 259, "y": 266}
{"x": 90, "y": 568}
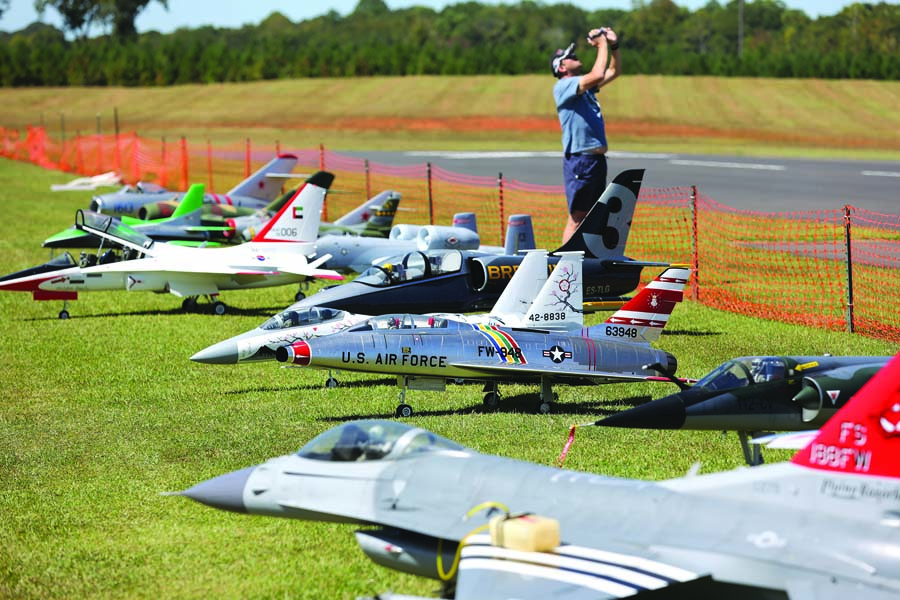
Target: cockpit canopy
{"x": 412, "y": 266}
{"x": 374, "y": 440}
{"x": 312, "y": 315}
{"x": 94, "y": 222}
{"x": 744, "y": 371}
{"x": 405, "y": 321}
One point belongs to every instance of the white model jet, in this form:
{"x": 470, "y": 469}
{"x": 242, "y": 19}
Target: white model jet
{"x": 279, "y": 254}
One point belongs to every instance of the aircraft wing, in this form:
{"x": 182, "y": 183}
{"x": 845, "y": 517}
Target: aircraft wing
{"x": 488, "y": 571}
{"x": 514, "y": 370}
{"x": 312, "y": 269}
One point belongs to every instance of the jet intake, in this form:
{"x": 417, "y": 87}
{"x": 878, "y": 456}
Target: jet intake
{"x": 156, "y": 210}
{"x": 435, "y": 237}
{"x": 404, "y": 232}
{"x": 490, "y": 274}
{"x": 297, "y": 353}
{"x": 810, "y": 398}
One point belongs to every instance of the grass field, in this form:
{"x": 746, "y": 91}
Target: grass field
{"x": 101, "y": 413}
{"x": 840, "y": 119}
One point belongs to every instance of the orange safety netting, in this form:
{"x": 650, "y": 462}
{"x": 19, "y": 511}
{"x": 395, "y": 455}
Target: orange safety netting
{"x": 823, "y": 268}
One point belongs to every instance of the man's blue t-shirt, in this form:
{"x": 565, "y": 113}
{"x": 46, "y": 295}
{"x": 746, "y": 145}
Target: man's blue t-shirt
{"x": 580, "y": 117}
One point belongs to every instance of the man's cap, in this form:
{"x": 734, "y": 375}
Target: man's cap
{"x": 559, "y": 56}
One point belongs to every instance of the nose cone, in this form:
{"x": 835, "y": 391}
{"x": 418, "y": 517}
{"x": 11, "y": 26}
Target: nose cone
{"x": 223, "y": 353}
{"x": 225, "y": 492}
{"x": 665, "y": 413}
{"x": 297, "y": 353}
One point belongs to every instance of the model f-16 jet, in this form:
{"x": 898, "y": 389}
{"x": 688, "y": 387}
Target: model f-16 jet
{"x": 424, "y": 353}
{"x": 278, "y": 255}
{"x": 458, "y": 281}
{"x": 150, "y": 201}
{"x": 755, "y": 394}
{"x": 519, "y": 306}
{"x": 823, "y": 526}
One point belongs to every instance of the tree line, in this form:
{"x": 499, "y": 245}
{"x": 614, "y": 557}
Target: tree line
{"x": 658, "y": 37}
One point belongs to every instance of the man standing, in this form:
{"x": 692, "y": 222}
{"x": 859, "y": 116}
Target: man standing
{"x": 581, "y": 120}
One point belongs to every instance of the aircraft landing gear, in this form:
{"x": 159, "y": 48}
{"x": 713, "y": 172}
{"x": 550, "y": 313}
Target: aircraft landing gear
{"x": 299, "y": 296}
{"x": 491, "y": 396}
{"x": 404, "y": 409}
{"x": 219, "y": 308}
{"x": 752, "y": 456}
{"x": 64, "y": 313}
{"x": 331, "y": 382}
{"x": 189, "y": 304}
{"x": 548, "y": 396}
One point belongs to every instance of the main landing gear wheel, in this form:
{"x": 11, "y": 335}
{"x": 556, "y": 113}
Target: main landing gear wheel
{"x": 492, "y": 400}
{"x": 404, "y": 410}
{"x": 544, "y": 408}
{"x": 219, "y": 308}
{"x": 189, "y": 304}
{"x": 299, "y": 296}
{"x": 331, "y": 382}
{"x": 63, "y": 314}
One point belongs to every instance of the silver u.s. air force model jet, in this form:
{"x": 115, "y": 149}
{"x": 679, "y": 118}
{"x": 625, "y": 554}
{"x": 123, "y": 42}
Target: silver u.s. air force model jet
{"x": 278, "y": 255}
{"x": 424, "y": 353}
{"x": 529, "y": 291}
{"x": 755, "y": 394}
{"x": 824, "y": 526}
{"x": 151, "y": 201}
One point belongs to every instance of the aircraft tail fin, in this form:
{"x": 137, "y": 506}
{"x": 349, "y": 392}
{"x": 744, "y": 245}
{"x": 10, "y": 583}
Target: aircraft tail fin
{"x": 382, "y": 209}
{"x": 370, "y": 209}
{"x": 262, "y": 187}
{"x": 298, "y": 220}
{"x": 514, "y": 303}
{"x": 466, "y": 220}
{"x": 519, "y": 234}
{"x": 191, "y": 202}
{"x": 863, "y": 437}
{"x": 604, "y": 231}
{"x": 643, "y": 318}
{"x": 560, "y": 302}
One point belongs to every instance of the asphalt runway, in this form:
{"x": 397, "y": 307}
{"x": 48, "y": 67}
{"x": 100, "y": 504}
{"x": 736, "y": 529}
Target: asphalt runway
{"x": 760, "y": 184}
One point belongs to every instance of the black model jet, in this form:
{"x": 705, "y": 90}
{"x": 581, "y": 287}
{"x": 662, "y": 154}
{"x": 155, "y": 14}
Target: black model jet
{"x": 469, "y": 280}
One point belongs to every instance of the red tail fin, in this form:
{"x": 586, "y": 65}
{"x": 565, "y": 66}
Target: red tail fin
{"x": 864, "y": 436}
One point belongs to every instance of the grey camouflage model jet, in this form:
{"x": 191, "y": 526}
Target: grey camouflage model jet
{"x": 755, "y": 394}
{"x": 151, "y": 201}
{"x": 824, "y": 526}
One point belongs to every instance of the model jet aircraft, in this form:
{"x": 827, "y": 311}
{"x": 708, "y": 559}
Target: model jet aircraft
{"x": 458, "y": 281}
{"x": 373, "y": 218}
{"x": 150, "y": 201}
{"x": 356, "y": 254}
{"x": 515, "y": 308}
{"x": 424, "y": 353}
{"x": 755, "y": 394}
{"x": 823, "y": 526}
{"x": 187, "y": 224}
{"x": 278, "y": 255}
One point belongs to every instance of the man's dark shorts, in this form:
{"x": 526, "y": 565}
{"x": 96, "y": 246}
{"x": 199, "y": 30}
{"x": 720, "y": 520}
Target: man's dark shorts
{"x": 585, "y": 179}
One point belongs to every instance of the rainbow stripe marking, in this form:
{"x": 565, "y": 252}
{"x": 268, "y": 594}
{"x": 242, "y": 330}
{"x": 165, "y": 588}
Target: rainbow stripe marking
{"x": 506, "y": 348}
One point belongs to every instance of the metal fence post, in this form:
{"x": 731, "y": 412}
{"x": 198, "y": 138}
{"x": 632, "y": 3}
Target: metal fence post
{"x": 501, "y": 206}
{"x": 695, "y": 253}
{"x": 847, "y": 241}
{"x": 247, "y": 159}
{"x": 368, "y": 180}
{"x": 209, "y": 169}
{"x": 184, "y": 164}
{"x": 430, "y": 196}
{"x": 163, "y": 175}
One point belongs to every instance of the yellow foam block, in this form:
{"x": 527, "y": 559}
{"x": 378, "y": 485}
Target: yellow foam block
{"x": 528, "y": 533}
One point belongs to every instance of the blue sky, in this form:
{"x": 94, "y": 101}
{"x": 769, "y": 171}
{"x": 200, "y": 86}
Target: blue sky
{"x": 234, "y": 13}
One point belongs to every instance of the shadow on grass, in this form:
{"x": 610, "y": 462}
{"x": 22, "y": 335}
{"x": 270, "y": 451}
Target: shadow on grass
{"x": 203, "y": 309}
{"x": 391, "y": 381}
{"x": 691, "y": 332}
